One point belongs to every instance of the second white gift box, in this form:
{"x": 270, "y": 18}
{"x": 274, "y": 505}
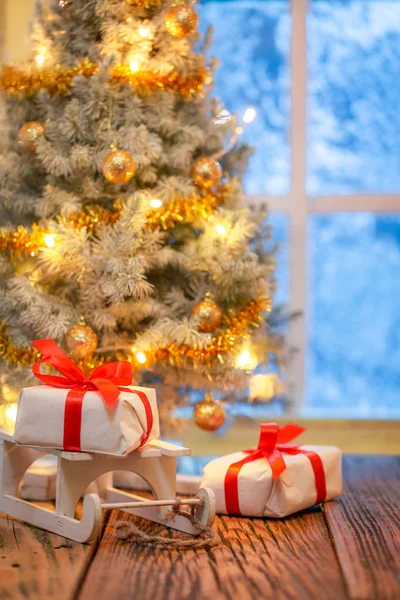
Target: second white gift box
{"x": 100, "y": 413}
{"x": 275, "y": 479}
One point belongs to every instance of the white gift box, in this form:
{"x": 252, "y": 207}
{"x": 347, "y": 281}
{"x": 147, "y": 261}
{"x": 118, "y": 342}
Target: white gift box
{"x": 40, "y": 420}
{"x": 39, "y": 482}
{"x": 262, "y": 496}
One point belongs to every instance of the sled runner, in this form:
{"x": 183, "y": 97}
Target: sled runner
{"x": 155, "y": 462}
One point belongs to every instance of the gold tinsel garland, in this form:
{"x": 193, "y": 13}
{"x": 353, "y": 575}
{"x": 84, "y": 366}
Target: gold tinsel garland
{"x": 144, "y": 82}
{"x": 22, "y": 241}
{"x": 55, "y": 81}
{"x": 186, "y": 210}
{"x": 227, "y": 343}
{"x": 12, "y": 354}
{"x": 59, "y": 80}
{"x": 91, "y": 216}
{"x": 181, "y": 210}
{"x": 144, "y": 3}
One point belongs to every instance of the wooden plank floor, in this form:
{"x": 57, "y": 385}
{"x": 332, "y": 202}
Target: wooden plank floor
{"x": 349, "y": 549}
{"x": 37, "y": 564}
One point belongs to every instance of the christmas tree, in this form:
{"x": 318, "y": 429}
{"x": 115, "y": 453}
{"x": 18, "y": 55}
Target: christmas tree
{"x": 124, "y": 235}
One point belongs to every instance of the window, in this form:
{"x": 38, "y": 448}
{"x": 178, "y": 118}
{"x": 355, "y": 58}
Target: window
{"x": 323, "y": 77}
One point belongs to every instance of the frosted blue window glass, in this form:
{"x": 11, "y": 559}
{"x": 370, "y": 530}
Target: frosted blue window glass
{"x": 252, "y": 42}
{"x": 354, "y": 96}
{"x": 354, "y": 316}
{"x": 280, "y": 223}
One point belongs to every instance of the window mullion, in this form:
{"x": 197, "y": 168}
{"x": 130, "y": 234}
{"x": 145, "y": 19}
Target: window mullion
{"x": 297, "y": 201}
{"x": 355, "y": 203}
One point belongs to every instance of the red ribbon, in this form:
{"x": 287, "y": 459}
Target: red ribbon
{"x": 105, "y": 380}
{"x": 272, "y": 445}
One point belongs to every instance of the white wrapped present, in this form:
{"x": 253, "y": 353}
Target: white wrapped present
{"x": 85, "y": 414}
{"x": 275, "y": 479}
{"x": 39, "y": 481}
{"x": 42, "y": 414}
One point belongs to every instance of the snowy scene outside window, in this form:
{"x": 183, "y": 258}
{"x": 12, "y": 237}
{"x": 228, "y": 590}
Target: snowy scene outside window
{"x": 354, "y": 117}
{"x": 351, "y": 320}
{"x": 252, "y": 42}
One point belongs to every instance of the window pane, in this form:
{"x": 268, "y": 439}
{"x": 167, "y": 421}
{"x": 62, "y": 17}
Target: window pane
{"x": 252, "y": 42}
{"x": 280, "y": 224}
{"x": 354, "y": 109}
{"x": 354, "y": 318}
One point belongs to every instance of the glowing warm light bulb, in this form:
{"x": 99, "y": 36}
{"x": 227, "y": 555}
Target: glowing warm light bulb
{"x": 39, "y": 58}
{"x": 156, "y": 203}
{"x": 249, "y": 115}
{"x": 11, "y": 413}
{"x": 134, "y": 65}
{"x": 243, "y": 359}
{"x": 220, "y": 229}
{"x": 6, "y": 392}
{"x": 141, "y": 358}
{"x": 50, "y": 240}
{"x": 144, "y": 32}
{"x": 246, "y": 360}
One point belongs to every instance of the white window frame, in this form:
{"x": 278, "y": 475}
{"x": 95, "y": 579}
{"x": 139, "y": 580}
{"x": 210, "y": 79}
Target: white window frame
{"x": 298, "y": 206}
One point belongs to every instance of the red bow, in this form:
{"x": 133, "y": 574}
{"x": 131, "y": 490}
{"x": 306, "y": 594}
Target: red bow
{"x": 272, "y": 445}
{"x": 106, "y": 380}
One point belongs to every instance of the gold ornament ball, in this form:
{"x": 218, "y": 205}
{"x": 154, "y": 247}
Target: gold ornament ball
{"x": 181, "y": 20}
{"x": 81, "y": 341}
{"x": 29, "y": 135}
{"x": 209, "y": 315}
{"x": 118, "y": 166}
{"x": 209, "y": 415}
{"x": 206, "y": 173}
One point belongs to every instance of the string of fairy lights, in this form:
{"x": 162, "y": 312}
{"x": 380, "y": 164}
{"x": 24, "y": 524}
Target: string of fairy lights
{"x": 236, "y": 325}
{"x": 21, "y": 241}
{"x": 59, "y": 80}
{"x": 118, "y": 167}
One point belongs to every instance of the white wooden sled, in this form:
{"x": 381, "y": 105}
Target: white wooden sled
{"x": 155, "y": 462}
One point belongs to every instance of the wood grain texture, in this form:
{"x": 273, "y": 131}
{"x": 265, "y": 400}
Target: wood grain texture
{"x": 38, "y": 565}
{"x": 365, "y": 527}
{"x": 350, "y": 550}
{"x": 257, "y": 559}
